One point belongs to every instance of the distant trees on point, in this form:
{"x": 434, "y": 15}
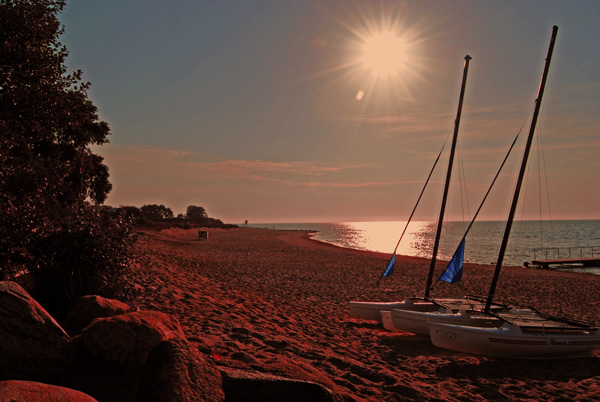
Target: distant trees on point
{"x": 155, "y": 213}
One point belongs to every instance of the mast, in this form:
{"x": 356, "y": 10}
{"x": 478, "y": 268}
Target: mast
{"x": 513, "y": 207}
{"x": 448, "y": 175}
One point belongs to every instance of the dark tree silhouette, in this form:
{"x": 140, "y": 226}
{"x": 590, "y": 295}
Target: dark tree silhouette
{"x": 156, "y": 213}
{"x": 49, "y": 176}
{"x": 195, "y": 213}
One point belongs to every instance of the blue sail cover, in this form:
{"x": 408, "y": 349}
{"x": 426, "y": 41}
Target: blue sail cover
{"x": 390, "y": 267}
{"x": 453, "y": 272}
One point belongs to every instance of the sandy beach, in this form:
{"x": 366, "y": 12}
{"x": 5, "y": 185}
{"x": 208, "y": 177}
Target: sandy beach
{"x": 277, "y": 302}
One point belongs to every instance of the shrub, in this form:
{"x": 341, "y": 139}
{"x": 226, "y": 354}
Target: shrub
{"x": 89, "y": 253}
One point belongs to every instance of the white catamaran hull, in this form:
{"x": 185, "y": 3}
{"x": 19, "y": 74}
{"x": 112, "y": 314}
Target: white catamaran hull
{"x": 418, "y": 322}
{"x": 415, "y": 318}
{"x": 511, "y": 341}
{"x": 372, "y": 310}
{"x": 386, "y": 320}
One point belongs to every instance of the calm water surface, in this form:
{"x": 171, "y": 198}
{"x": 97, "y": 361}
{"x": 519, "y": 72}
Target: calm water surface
{"x": 529, "y": 239}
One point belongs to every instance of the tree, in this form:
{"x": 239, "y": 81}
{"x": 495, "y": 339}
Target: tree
{"x": 47, "y": 121}
{"x": 49, "y": 175}
{"x": 153, "y": 212}
{"x": 195, "y": 213}
{"x": 133, "y": 214}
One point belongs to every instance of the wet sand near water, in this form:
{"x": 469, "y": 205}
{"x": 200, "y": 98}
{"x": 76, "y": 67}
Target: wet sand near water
{"x": 277, "y": 302}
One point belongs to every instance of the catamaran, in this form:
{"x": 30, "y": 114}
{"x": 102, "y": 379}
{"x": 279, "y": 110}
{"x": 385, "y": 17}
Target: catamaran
{"x": 458, "y": 311}
{"x": 373, "y": 310}
{"x": 521, "y": 333}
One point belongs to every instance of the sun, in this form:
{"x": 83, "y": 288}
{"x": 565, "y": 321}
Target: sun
{"x": 378, "y": 52}
{"x": 383, "y": 54}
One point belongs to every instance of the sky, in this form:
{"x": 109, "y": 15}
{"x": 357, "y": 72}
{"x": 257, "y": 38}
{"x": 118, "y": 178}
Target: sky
{"x": 335, "y": 110}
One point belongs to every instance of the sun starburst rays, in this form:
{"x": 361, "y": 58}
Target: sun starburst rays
{"x": 385, "y": 60}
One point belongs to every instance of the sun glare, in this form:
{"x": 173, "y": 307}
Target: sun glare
{"x": 383, "y": 54}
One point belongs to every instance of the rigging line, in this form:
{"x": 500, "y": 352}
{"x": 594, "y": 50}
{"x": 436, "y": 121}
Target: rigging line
{"x": 416, "y": 205}
{"x": 413, "y": 211}
{"x": 460, "y": 182}
{"x": 463, "y": 184}
{"x": 489, "y": 190}
{"x": 423, "y": 190}
{"x": 493, "y": 182}
{"x": 519, "y": 222}
{"x": 541, "y": 213}
{"x": 527, "y": 180}
{"x": 552, "y": 238}
{"x": 419, "y": 199}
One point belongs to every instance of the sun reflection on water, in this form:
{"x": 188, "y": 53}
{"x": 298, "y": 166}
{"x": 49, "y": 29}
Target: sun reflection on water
{"x": 383, "y": 236}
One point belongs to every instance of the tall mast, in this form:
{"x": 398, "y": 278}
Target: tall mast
{"x": 513, "y": 207}
{"x": 448, "y": 175}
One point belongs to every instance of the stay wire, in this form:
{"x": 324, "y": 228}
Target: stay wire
{"x": 519, "y": 225}
{"x": 416, "y": 205}
{"x": 552, "y": 238}
{"x": 422, "y": 191}
{"x": 487, "y": 193}
{"x": 464, "y": 195}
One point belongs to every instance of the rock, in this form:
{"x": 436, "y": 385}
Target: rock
{"x": 32, "y": 343}
{"x": 88, "y": 308}
{"x": 105, "y": 361}
{"x": 176, "y": 372}
{"x": 28, "y": 391}
{"x": 245, "y": 386}
{"x": 125, "y": 341}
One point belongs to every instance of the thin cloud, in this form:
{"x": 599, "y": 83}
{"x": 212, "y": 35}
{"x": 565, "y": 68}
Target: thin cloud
{"x": 148, "y": 163}
{"x": 265, "y": 167}
{"x": 359, "y": 185}
{"x": 133, "y": 150}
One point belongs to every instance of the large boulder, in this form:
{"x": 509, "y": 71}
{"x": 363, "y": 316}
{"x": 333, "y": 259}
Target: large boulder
{"x": 125, "y": 341}
{"x": 106, "y": 360}
{"x": 176, "y": 372}
{"x": 28, "y": 391}
{"x": 31, "y": 341}
{"x": 247, "y": 386}
{"x": 88, "y": 308}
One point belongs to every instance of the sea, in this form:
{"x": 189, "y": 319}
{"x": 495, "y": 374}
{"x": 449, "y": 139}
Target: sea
{"x": 529, "y": 240}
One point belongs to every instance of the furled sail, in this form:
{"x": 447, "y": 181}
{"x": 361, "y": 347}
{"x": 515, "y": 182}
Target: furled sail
{"x": 390, "y": 267}
{"x": 453, "y": 272}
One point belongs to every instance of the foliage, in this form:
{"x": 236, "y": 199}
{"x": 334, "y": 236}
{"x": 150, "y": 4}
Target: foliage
{"x": 158, "y": 217}
{"x": 195, "y": 213}
{"x": 133, "y": 214}
{"x": 88, "y": 253}
{"x": 153, "y": 212}
{"x": 48, "y": 172}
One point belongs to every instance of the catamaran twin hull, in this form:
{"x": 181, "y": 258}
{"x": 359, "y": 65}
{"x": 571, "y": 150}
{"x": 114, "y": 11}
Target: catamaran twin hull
{"x": 513, "y": 341}
{"x": 418, "y": 322}
{"x": 413, "y": 314}
{"x": 386, "y": 320}
{"x": 372, "y": 310}
{"x": 464, "y": 311}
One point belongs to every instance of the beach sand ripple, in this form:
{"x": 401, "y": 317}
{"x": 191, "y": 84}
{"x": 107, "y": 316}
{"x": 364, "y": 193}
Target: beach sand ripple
{"x": 277, "y": 302}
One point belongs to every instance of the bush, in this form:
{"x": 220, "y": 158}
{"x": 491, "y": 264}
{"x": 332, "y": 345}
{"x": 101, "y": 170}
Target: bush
{"x": 89, "y": 253}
